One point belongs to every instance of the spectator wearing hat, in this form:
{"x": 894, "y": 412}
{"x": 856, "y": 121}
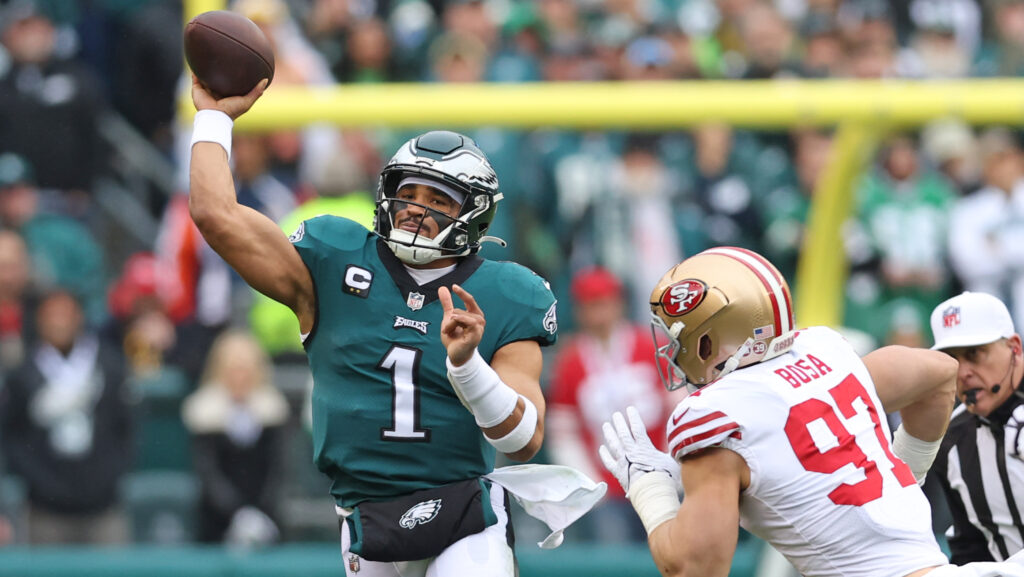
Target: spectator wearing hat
{"x": 522, "y": 46}
{"x": 823, "y": 54}
{"x": 979, "y": 465}
{"x": 942, "y": 40}
{"x": 609, "y": 363}
{"x": 140, "y": 320}
{"x": 950, "y": 146}
{"x": 647, "y": 58}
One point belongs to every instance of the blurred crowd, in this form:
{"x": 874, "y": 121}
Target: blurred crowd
{"x": 123, "y": 357}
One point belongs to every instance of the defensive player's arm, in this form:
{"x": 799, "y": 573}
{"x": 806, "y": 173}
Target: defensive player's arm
{"x": 503, "y": 395}
{"x": 249, "y": 241}
{"x": 701, "y": 539}
{"x": 919, "y": 383}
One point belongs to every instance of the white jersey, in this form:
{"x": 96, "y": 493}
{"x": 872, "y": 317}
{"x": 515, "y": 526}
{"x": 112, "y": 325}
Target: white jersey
{"x": 825, "y": 488}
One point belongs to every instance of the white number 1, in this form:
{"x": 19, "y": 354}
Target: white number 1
{"x": 402, "y": 363}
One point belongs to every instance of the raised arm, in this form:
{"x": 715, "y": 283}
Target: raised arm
{"x": 250, "y": 242}
{"x": 921, "y": 385}
{"x": 505, "y": 395}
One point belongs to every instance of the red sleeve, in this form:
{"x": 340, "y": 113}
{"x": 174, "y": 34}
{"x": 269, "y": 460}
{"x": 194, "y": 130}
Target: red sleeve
{"x": 177, "y": 250}
{"x": 694, "y": 427}
{"x": 566, "y": 376}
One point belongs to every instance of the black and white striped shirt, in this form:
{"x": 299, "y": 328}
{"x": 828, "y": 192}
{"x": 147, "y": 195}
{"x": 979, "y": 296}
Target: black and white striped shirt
{"x": 982, "y": 477}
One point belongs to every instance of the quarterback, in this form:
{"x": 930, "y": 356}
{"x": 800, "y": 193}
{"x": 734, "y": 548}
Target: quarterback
{"x": 784, "y": 433}
{"x": 412, "y": 397}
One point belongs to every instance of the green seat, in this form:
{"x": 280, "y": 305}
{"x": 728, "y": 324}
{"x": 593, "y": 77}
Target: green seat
{"x": 163, "y": 440}
{"x": 162, "y": 506}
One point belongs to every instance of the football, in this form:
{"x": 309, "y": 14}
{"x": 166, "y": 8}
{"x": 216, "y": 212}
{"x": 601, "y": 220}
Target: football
{"x": 228, "y": 53}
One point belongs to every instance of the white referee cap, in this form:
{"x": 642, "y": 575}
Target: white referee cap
{"x": 970, "y": 319}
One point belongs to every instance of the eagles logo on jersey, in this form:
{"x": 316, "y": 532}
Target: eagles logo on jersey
{"x": 298, "y": 234}
{"x": 551, "y": 319}
{"x": 420, "y": 514}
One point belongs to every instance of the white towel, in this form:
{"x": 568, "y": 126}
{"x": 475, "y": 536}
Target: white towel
{"x": 554, "y": 494}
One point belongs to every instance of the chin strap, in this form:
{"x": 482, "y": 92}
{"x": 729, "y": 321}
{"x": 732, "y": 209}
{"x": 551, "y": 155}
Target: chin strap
{"x": 777, "y": 346}
{"x": 493, "y": 239}
{"x": 734, "y": 361}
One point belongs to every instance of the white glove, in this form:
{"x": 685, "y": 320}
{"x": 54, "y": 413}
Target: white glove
{"x": 629, "y": 454}
{"x": 251, "y": 527}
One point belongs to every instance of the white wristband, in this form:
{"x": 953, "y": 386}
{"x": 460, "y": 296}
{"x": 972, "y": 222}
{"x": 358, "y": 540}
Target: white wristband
{"x": 212, "y": 126}
{"x": 520, "y": 436}
{"x": 917, "y": 454}
{"x": 655, "y": 499}
{"x": 481, "y": 390}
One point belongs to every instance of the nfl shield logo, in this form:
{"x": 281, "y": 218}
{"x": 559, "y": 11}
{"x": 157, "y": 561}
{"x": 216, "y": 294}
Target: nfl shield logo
{"x": 951, "y": 317}
{"x": 415, "y": 301}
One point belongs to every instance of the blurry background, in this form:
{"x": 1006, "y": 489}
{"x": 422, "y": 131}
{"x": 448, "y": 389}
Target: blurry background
{"x": 862, "y": 145}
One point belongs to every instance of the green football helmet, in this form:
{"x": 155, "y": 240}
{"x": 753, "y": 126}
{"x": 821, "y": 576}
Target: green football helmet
{"x": 455, "y": 162}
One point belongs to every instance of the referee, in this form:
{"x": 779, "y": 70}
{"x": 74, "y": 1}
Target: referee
{"x": 979, "y": 465}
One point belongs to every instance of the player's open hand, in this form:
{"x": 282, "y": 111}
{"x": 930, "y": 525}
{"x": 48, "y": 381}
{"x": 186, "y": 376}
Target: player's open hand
{"x": 628, "y": 453}
{"x": 461, "y": 329}
{"x": 233, "y": 106}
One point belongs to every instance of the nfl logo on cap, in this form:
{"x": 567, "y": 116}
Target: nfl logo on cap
{"x": 951, "y": 317}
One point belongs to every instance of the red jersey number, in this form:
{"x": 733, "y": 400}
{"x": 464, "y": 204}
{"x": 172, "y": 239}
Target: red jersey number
{"x": 846, "y": 451}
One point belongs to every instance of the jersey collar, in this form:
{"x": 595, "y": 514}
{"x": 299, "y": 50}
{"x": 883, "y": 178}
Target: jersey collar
{"x": 466, "y": 266}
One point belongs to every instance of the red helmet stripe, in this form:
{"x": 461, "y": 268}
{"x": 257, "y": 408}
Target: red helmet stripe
{"x": 778, "y": 278}
{"x": 774, "y": 288}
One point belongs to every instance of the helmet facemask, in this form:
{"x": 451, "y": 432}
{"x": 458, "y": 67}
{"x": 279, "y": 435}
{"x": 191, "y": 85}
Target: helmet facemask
{"x": 672, "y": 375}
{"x": 416, "y": 247}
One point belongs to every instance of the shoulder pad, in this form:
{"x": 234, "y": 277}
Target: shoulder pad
{"x": 694, "y": 426}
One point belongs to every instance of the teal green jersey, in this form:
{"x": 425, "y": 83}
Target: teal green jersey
{"x": 386, "y": 422}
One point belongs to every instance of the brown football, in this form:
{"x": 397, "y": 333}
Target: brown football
{"x": 227, "y": 52}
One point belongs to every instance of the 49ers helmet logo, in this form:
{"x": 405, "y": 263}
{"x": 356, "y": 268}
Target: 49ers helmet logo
{"x": 683, "y": 296}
